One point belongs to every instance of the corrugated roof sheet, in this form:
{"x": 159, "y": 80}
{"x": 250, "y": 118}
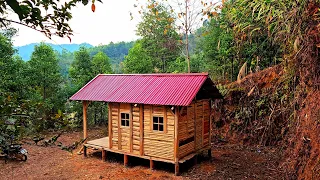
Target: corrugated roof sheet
{"x": 158, "y": 89}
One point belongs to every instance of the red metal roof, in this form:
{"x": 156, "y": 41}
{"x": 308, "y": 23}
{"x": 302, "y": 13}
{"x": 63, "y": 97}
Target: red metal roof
{"x": 160, "y": 89}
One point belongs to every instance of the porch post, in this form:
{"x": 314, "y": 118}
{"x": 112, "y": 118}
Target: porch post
{"x": 85, "y": 106}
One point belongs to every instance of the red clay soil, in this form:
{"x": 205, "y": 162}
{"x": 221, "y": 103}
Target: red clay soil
{"x": 228, "y": 162}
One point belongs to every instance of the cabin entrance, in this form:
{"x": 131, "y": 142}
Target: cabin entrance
{"x": 129, "y": 127}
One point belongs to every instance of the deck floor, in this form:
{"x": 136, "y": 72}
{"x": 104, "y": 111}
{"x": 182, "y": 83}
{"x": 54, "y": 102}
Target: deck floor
{"x": 102, "y": 143}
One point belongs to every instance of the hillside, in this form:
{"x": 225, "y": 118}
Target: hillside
{"x": 266, "y": 109}
{"x": 26, "y": 50}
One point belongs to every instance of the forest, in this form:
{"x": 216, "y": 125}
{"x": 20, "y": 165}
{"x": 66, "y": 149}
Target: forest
{"x": 262, "y": 55}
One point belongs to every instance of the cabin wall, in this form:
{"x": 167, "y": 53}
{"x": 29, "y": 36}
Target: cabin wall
{"x": 193, "y": 132}
{"x": 148, "y": 142}
{"x": 159, "y": 144}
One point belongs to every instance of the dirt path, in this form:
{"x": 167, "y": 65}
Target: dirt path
{"x": 228, "y": 162}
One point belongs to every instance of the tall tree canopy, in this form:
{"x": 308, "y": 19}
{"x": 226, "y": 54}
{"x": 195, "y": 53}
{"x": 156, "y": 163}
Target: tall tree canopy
{"x": 160, "y": 39}
{"x": 44, "y": 71}
{"x": 81, "y": 68}
{"x": 138, "y": 60}
{"x": 101, "y": 64}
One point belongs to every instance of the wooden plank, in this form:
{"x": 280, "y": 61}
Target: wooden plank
{"x": 141, "y": 128}
{"x": 110, "y": 124}
{"x": 131, "y": 129}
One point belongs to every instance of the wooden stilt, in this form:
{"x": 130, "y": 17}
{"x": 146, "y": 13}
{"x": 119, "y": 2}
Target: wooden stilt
{"x": 209, "y": 153}
{"x": 125, "y": 160}
{"x": 84, "y": 151}
{"x": 195, "y": 159}
{"x": 103, "y": 155}
{"x": 151, "y": 164}
{"x": 176, "y": 168}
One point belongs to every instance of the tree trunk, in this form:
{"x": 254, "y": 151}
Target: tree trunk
{"x": 187, "y": 37}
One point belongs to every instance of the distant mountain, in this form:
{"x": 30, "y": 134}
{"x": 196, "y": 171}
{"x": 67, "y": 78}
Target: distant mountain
{"x": 26, "y": 50}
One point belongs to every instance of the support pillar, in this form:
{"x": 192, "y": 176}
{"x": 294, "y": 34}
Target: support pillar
{"x": 104, "y": 153}
{"x": 176, "y": 168}
{"x": 84, "y": 109}
{"x": 125, "y": 160}
{"x": 209, "y": 153}
{"x": 84, "y": 151}
{"x": 195, "y": 159}
{"x": 151, "y": 164}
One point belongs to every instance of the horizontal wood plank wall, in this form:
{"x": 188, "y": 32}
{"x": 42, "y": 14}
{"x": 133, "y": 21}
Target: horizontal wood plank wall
{"x": 124, "y": 130}
{"x": 136, "y": 129}
{"x": 206, "y": 128}
{"x": 199, "y": 124}
{"x": 158, "y": 144}
{"x": 115, "y": 124}
{"x": 186, "y": 131}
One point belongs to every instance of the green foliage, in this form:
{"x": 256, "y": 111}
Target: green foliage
{"x": 160, "y": 39}
{"x": 33, "y": 13}
{"x": 227, "y": 44}
{"x": 101, "y": 64}
{"x": 81, "y": 68}
{"x": 138, "y": 60}
{"x": 44, "y": 74}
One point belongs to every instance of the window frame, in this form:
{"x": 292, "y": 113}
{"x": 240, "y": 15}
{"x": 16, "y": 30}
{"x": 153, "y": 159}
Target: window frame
{"x": 125, "y": 120}
{"x": 158, "y": 124}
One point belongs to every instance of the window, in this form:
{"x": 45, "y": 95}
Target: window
{"x": 125, "y": 119}
{"x": 157, "y": 123}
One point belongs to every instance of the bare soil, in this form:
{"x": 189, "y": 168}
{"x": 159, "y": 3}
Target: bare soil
{"x": 228, "y": 162}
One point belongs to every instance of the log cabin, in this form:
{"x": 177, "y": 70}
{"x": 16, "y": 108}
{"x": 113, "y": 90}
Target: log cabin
{"x": 159, "y": 117}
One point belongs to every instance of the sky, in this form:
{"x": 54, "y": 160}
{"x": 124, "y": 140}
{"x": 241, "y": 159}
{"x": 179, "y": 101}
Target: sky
{"x": 110, "y": 22}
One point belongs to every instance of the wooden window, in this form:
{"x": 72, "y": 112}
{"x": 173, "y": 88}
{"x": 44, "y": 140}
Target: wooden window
{"x": 125, "y": 119}
{"x": 158, "y": 124}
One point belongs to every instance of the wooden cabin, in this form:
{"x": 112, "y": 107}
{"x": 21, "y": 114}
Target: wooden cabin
{"x": 159, "y": 117}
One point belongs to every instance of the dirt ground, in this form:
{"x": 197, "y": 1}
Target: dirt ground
{"x": 228, "y": 162}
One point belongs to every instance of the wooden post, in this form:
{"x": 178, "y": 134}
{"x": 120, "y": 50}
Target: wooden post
{"x": 131, "y": 128}
{"x": 85, "y": 151}
{"x": 176, "y": 141}
{"x": 176, "y": 168}
{"x": 165, "y": 121}
{"x": 84, "y": 110}
{"x": 141, "y": 119}
{"x": 125, "y": 160}
{"x": 119, "y": 129}
{"x": 151, "y": 164}
{"x": 104, "y": 155}
{"x": 209, "y": 153}
{"x": 110, "y": 124}
{"x": 195, "y": 160}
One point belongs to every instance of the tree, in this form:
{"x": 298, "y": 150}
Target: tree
{"x": 44, "y": 72}
{"x": 189, "y": 15}
{"x": 101, "y": 64}
{"x": 159, "y": 36}
{"x": 138, "y": 60}
{"x": 81, "y": 68}
{"x": 34, "y": 14}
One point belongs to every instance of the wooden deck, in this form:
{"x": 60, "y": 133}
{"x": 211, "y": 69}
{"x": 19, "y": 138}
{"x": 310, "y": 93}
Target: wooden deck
{"x": 102, "y": 143}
